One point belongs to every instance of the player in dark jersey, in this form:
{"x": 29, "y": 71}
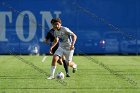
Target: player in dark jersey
{"x": 49, "y": 40}
{"x": 50, "y": 37}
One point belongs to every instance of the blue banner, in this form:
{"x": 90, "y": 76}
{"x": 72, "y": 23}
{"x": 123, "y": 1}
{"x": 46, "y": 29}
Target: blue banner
{"x": 102, "y": 26}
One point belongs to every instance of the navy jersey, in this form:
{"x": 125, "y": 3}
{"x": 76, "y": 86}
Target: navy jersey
{"x": 50, "y": 37}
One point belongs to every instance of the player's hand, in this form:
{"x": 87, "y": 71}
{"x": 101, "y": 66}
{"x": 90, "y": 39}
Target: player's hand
{"x": 71, "y": 47}
{"x": 51, "y": 51}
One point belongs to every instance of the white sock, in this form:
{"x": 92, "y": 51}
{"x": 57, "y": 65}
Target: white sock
{"x": 53, "y": 70}
{"x": 74, "y": 66}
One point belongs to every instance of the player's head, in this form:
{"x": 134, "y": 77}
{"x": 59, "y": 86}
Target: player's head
{"x": 56, "y": 23}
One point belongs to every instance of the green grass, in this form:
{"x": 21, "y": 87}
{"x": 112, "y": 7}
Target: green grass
{"x": 20, "y": 77}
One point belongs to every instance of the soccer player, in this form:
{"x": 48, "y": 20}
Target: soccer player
{"x": 66, "y": 40}
{"x": 50, "y": 37}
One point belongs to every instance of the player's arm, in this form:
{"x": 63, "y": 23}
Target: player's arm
{"x": 54, "y": 44}
{"x": 74, "y": 38}
{"x": 47, "y": 38}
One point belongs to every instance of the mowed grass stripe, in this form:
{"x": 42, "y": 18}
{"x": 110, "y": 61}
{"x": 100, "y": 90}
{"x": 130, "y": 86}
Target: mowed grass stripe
{"x": 90, "y": 77}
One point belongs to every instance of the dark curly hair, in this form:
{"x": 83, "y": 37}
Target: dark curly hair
{"x": 55, "y": 20}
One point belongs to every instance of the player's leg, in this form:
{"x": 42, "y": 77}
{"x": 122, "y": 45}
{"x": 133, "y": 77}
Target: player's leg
{"x": 69, "y": 56}
{"x": 65, "y": 66}
{"x": 73, "y": 65}
{"x": 63, "y": 62}
{"x": 56, "y": 56}
{"x": 53, "y": 66}
{"x": 60, "y": 62}
{"x": 60, "y": 59}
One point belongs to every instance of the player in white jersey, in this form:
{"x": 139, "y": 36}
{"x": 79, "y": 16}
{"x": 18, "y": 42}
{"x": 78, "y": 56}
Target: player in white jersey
{"x": 66, "y": 40}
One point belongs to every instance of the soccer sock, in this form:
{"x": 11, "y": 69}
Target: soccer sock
{"x": 74, "y": 66}
{"x": 53, "y": 70}
{"x": 65, "y": 66}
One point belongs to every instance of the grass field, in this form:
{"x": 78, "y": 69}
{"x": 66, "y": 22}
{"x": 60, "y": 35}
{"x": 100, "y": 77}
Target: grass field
{"x": 96, "y": 74}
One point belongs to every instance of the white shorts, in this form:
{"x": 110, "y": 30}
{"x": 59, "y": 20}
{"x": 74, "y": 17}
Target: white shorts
{"x": 67, "y": 53}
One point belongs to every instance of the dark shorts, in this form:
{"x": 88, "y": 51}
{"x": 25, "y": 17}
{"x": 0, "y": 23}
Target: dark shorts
{"x": 54, "y": 49}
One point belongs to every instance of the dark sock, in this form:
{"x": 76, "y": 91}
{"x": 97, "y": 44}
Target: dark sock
{"x": 65, "y": 66}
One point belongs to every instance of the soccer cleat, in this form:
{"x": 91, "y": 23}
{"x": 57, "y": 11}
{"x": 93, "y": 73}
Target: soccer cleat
{"x": 51, "y": 77}
{"x": 74, "y": 69}
{"x": 67, "y": 75}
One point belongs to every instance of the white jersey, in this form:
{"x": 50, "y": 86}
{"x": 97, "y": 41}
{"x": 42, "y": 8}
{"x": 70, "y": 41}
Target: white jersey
{"x": 64, "y": 35}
